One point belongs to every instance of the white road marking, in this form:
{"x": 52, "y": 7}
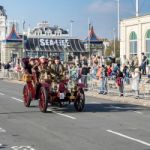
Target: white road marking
{"x": 115, "y": 107}
{"x": 1, "y": 145}
{"x": 2, "y": 93}
{"x": 127, "y": 137}
{"x": 2, "y": 130}
{"x": 17, "y": 99}
{"x": 22, "y": 148}
{"x": 138, "y": 112}
{"x": 62, "y": 114}
{"x": 93, "y": 103}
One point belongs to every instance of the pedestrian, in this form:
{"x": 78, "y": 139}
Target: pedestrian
{"x": 84, "y": 73}
{"x": 135, "y": 82}
{"x": 103, "y": 80}
{"x": 119, "y": 82}
{"x": 143, "y": 64}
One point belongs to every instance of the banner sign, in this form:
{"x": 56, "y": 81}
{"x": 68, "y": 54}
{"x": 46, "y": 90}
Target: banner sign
{"x": 52, "y": 42}
{"x": 54, "y": 45}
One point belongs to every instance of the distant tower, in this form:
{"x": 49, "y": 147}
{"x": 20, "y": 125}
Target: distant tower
{"x": 137, "y": 8}
{"x": 3, "y": 19}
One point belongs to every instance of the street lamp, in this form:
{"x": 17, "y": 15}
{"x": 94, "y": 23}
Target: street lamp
{"x": 71, "y": 27}
{"x": 118, "y": 12}
{"x": 114, "y": 42}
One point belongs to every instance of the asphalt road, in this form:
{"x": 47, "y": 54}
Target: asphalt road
{"x": 104, "y": 125}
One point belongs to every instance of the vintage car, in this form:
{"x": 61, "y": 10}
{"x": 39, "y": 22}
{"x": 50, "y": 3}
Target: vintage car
{"x": 54, "y": 92}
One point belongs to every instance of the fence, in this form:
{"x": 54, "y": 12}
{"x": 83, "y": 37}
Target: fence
{"x": 94, "y": 84}
{"x": 112, "y": 88}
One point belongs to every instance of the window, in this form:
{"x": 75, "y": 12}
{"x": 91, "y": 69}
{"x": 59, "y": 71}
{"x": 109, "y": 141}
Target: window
{"x": 133, "y": 44}
{"x": 148, "y": 45}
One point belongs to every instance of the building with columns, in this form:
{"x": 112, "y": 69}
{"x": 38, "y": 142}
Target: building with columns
{"x": 135, "y": 37}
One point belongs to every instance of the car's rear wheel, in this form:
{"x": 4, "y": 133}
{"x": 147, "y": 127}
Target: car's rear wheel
{"x": 27, "y": 98}
{"x": 80, "y": 101}
{"x": 43, "y": 102}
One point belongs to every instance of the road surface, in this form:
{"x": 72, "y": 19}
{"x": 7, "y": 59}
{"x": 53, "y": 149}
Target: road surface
{"x": 104, "y": 125}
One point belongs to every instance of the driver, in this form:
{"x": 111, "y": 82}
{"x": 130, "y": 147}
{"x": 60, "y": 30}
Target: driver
{"x": 57, "y": 69}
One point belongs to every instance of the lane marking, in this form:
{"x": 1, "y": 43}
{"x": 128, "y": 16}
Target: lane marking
{"x": 93, "y": 103}
{"x": 2, "y": 130}
{"x": 62, "y": 114}
{"x": 17, "y": 99}
{"x": 116, "y": 107}
{"x": 138, "y": 112}
{"x": 127, "y": 137}
{"x": 2, "y": 93}
{"x": 1, "y": 145}
{"x": 22, "y": 148}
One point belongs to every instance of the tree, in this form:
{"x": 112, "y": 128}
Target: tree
{"x": 110, "y": 48}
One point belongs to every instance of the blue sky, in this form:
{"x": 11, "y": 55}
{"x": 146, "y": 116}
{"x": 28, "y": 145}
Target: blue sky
{"x": 102, "y": 13}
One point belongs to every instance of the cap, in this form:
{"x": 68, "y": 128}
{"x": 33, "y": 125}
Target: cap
{"x": 42, "y": 57}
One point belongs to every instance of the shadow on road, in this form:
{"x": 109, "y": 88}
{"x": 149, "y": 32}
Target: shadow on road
{"x": 92, "y": 108}
{"x": 3, "y": 146}
{"x": 105, "y": 107}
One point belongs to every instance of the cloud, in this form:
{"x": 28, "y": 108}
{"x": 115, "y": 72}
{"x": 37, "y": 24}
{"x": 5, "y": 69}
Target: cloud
{"x": 102, "y": 6}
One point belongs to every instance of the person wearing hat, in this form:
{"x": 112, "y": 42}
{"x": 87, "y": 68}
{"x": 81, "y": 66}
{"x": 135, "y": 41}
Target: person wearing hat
{"x": 135, "y": 82}
{"x": 43, "y": 68}
{"x": 57, "y": 69}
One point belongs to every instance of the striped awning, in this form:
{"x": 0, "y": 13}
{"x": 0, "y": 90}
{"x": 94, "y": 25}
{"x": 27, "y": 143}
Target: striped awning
{"x": 54, "y": 45}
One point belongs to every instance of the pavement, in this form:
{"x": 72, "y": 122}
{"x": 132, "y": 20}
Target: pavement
{"x": 103, "y": 125}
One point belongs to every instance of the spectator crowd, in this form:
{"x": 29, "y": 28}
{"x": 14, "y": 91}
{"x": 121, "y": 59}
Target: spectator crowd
{"x": 100, "y": 69}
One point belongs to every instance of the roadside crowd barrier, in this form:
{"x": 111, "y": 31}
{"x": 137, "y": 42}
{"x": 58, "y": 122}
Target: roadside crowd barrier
{"x": 11, "y": 74}
{"x": 93, "y": 84}
{"x": 113, "y": 89}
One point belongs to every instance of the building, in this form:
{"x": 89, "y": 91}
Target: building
{"x": 10, "y": 42}
{"x": 135, "y": 36}
{"x": 3, "y": 18}
{"x": 44, "y": 30}
{"x": 93, "y": 44}
{"x": 44, "y": 40}
{"x": 11, "y": 47}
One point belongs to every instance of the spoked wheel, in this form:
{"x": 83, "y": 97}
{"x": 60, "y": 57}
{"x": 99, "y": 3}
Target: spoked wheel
{"x": 43, "y": 102}
{"x": 80, "y": 101}
{"x": 27, "y": 98}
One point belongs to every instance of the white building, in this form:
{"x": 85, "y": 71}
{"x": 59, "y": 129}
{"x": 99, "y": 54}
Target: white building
{"x": 3, "y": 18}
{"x": 135, "y": 37}
{"x": 44, "y": 30}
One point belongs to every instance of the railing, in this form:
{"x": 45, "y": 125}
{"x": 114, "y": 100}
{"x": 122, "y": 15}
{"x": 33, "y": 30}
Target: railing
{"x": 94, "y": 84}
{"x": 113, "y": 88}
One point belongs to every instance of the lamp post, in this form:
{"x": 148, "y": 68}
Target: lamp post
{"x": 71, "y": 27}
{"x": 114, "y": 36}
{"x": 23, "y": 48}
{"x": 118, "y": 12}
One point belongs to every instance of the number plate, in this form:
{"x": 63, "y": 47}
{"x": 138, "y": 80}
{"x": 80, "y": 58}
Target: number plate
{"x": 62, "y": 96}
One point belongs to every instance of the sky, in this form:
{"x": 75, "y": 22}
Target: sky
{"x": 101, "y": 13}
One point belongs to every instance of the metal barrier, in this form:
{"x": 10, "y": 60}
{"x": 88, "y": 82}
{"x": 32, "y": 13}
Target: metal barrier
{"x": 112, "y": 88}
{"x": 94, "y": 84}
{"x": 11, "y": 74}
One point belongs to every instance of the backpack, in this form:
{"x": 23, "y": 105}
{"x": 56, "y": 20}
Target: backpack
{"x": 118, "y": 81}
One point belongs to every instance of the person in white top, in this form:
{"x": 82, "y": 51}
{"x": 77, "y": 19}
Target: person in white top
{"x": 135, "y": 82}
